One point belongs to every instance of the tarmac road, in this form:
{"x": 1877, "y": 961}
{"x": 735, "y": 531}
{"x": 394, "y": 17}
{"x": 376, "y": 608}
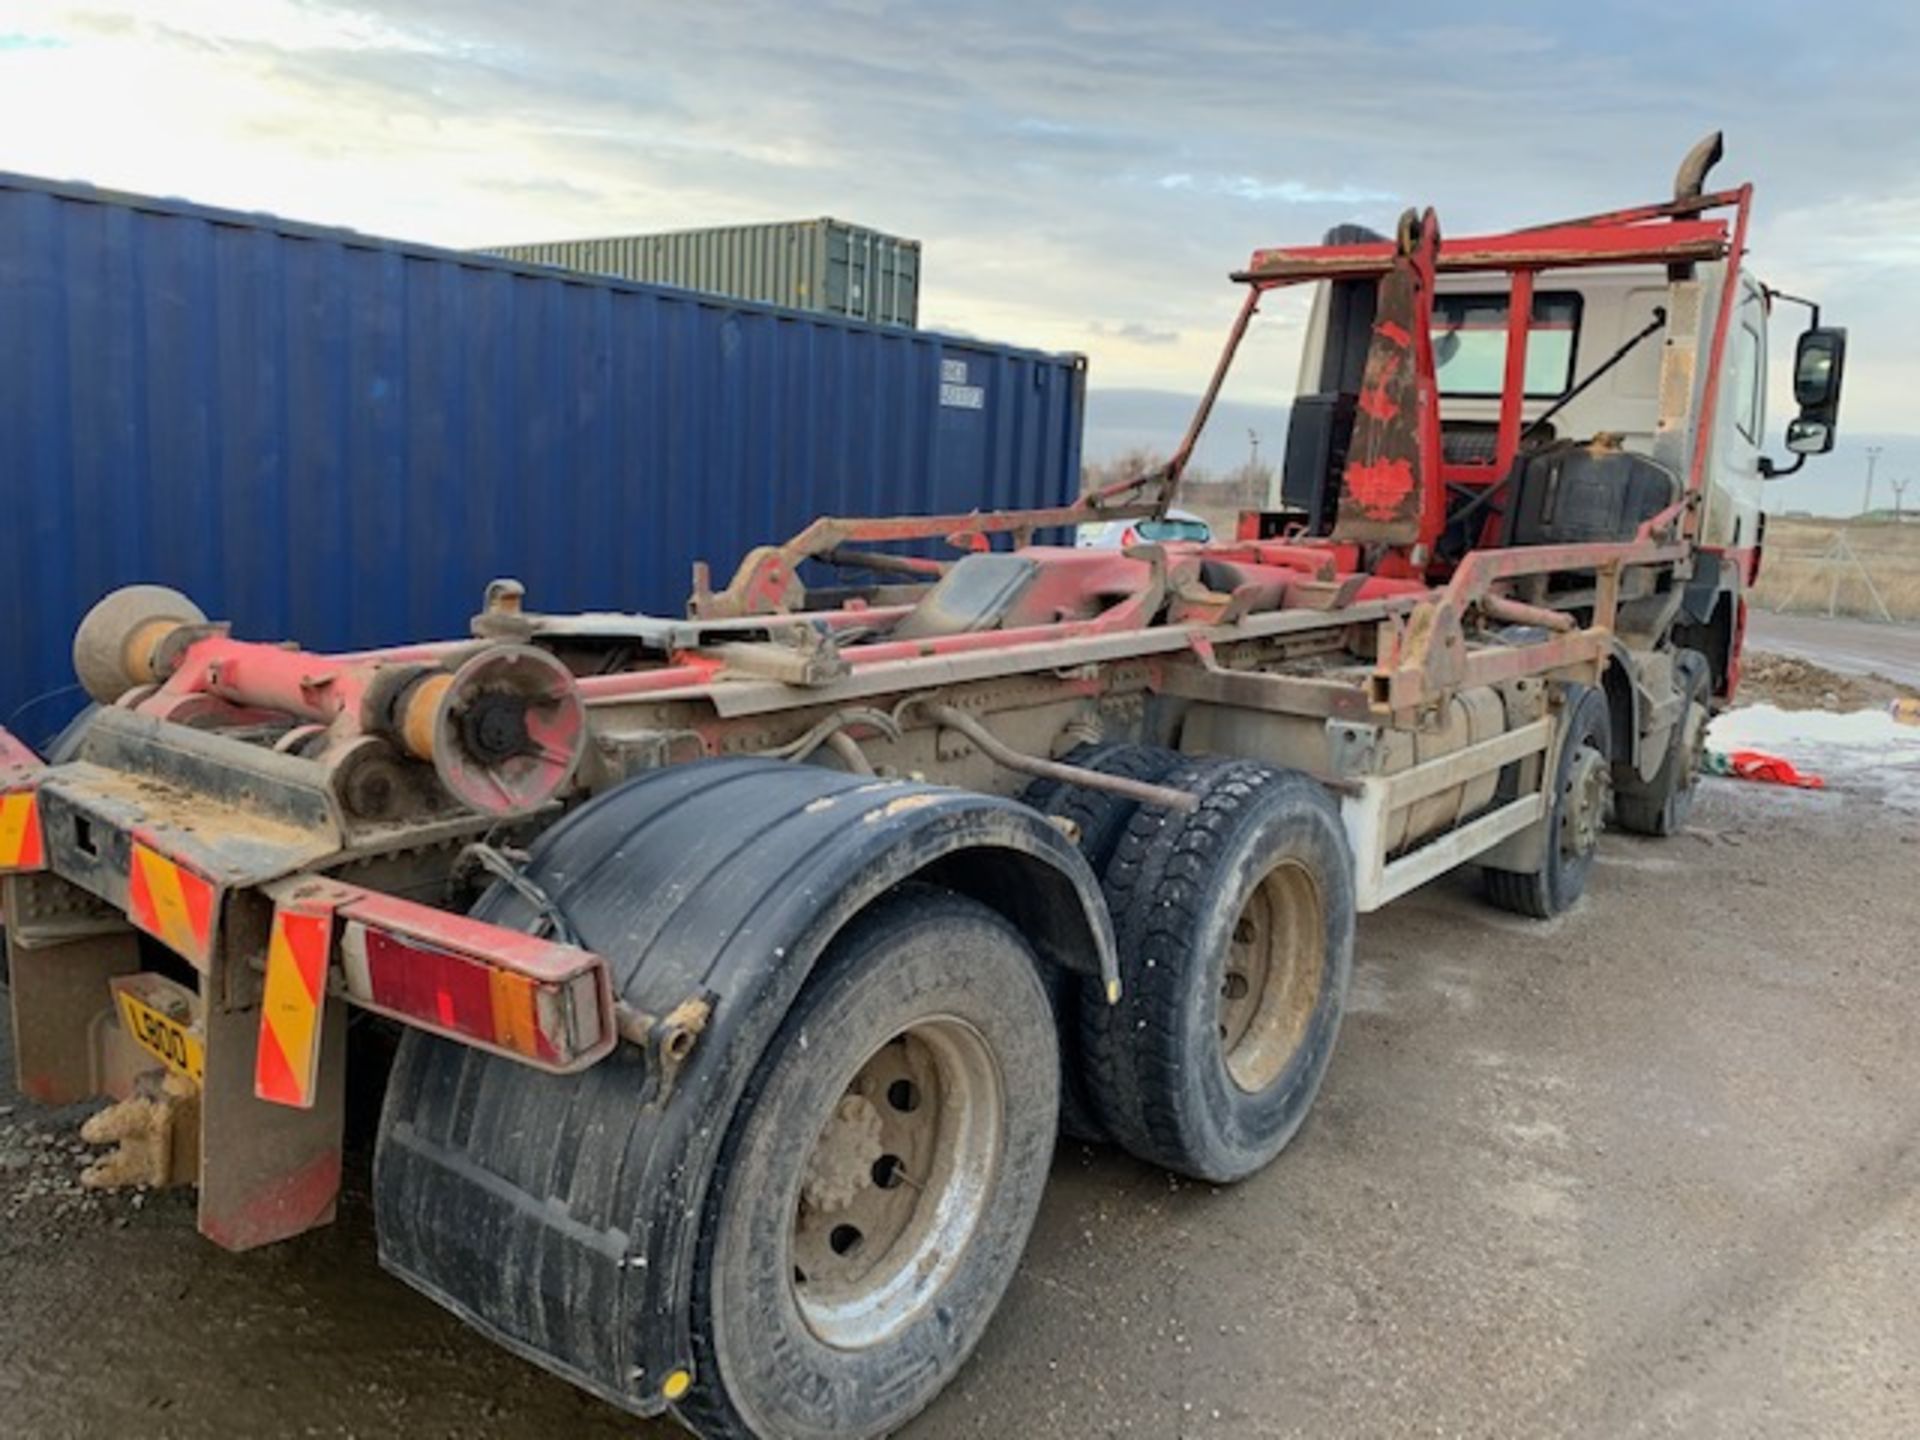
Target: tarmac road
{"x": 1650, "y": 1169}
{"x": 1853, "y": 647}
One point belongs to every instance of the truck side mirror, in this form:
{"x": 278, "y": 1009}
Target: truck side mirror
{"x": 1819, "y": 361}
{"x": 1809, "y": 437}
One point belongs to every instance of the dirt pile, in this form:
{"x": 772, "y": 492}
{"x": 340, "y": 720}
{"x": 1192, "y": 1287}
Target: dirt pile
{"x": 1795, "y": 684}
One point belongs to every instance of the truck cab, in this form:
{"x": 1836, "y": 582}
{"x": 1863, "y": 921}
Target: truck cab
{"x": 1580, "y": 321}
{"x": 1622, "y": 361}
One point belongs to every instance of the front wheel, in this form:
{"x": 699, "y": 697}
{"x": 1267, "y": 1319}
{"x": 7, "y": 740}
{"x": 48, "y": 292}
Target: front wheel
{"x": 1578, "y": 798}
{"x": 1660, "y": 806}
{"x": 880, "y": 1178}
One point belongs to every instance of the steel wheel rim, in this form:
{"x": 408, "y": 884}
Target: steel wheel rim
{"x": 897, "y": 1183}
{"x": 1271, "y": 976}
{"x": 1584, "y": 805}
{"x": 1693, "y": 746}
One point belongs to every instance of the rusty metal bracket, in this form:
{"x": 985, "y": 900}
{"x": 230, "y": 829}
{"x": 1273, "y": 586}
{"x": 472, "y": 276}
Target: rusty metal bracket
{"x": 670, "y": 1038}
{"x": 808, "y": 658}
{"x": 1008, "y": 758}
{"x": 768, "y": 582}
{"x": 1509, "y": 611}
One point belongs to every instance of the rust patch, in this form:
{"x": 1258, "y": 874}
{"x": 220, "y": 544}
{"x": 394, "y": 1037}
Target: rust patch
{"x": 1386, "y": 462}
{"x": 906, "y": 804}
{"x": 1381, "y": 489}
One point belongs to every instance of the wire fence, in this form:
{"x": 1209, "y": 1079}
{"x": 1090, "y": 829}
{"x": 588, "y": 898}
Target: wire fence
{"x": 1867, "y": 571}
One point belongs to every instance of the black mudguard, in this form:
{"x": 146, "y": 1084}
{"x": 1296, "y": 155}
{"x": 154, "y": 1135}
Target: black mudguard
{"x": 559, "y": 1214}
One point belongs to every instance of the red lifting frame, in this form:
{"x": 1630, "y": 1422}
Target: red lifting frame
{"x": 1672, "y": 233}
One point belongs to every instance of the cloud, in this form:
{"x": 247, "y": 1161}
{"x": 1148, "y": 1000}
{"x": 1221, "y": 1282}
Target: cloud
{"x": 1134, "y": 333}
{"x": 1289, "y": 192}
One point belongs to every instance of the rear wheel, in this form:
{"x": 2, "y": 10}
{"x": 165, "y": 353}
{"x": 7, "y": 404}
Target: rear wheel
{"x": 1578, "y": 801}
{"x": 846, "y": 1277}
{"x": 1098, "y": 818}
{"x": 1234, "y": 926}
{"x": 1660, "y": 806}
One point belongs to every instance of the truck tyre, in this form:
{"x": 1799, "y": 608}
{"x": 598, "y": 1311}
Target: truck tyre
{"x": 1576, "y": 813}
{"x": 1099, "y": 818}
{"x": 1234, "y": 925}
{"x": 1660, "y": 806}
{"x": 879, "y": 1178}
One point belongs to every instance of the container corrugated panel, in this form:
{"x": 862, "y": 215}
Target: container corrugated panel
{"x": 339, "y": 440}
{"x": 824, "y": 264}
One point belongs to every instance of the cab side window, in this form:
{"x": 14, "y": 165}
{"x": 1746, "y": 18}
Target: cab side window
{"x": 1746, "y": 381}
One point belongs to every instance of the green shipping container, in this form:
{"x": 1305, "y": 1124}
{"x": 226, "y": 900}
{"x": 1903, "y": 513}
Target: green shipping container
{"x": 825, "y": 265}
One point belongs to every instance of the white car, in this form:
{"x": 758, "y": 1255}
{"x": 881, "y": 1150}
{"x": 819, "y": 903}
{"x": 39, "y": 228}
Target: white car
{"x": 1119, "y": 534}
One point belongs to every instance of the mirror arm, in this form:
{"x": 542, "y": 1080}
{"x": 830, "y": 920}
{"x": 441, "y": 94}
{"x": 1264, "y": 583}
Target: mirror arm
{"x": 1771, "y": 471}
{"x": 1813, "y": 323}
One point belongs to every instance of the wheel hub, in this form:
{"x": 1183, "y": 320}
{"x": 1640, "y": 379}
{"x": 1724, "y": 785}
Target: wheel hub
{"x": 896, "y": 1183}
{"x": 1583, "y": 808}
{"x": 494, "y": 726}
{"x": 843, "y": 1160}
{"x": 1270, "y": 981}
{"x": 1693, "y": 746}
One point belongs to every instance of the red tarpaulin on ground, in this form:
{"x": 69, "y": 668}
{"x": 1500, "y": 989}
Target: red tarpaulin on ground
{"x": 1769, "y": 769}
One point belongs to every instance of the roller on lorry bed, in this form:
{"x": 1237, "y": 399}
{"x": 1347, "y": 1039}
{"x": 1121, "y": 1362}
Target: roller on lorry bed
{"x": 746, "y": 964}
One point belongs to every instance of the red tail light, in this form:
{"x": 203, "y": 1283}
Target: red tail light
{"x": 560, "y": 1020}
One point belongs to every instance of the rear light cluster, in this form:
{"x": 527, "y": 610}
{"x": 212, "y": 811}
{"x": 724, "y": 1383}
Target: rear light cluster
{"x": 533, "y": 1000}
{"x": 537, "y": 1001}
{"x": 559, "y": 1021}
{"x": 22, "y": 847}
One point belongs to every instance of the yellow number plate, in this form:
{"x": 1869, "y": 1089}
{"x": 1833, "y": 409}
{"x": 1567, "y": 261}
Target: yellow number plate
{"x": 176, "y": 1046}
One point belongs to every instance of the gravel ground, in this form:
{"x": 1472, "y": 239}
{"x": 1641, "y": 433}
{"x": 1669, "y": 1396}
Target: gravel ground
{"x": 1648, "y": 1169}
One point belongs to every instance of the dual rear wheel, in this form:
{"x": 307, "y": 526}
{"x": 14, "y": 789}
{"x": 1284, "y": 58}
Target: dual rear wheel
{"x": 882, "y": 1172}
{"x": 1234, "y": 925}
{"x": 1234, "y": 929}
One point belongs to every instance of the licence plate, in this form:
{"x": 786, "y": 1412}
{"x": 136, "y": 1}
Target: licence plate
{"x": 175, "y": 1043}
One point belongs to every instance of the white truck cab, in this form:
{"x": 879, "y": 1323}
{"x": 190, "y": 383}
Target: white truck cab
{"x": 1580, "y": 320}
{"x": 1617, "y": 357}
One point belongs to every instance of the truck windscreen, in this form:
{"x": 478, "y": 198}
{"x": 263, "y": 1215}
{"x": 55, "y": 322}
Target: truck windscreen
{"x": 1470, "y": 343}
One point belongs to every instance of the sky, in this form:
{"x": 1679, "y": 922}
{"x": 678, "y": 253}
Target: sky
{"x": 1082, "y": 176}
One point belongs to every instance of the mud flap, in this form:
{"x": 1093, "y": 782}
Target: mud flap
{"x": 267, "y": 1172}
{"x": 59, "y": 964}
{"x": 560, "y": 1214}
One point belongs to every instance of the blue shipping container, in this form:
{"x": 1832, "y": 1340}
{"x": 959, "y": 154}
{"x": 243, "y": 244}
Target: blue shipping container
{"x": 339, "y": 440}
